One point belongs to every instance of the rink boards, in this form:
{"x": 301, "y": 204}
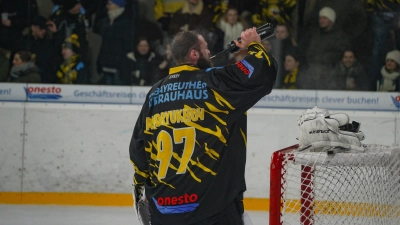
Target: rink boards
{"x": 77, "y": 153}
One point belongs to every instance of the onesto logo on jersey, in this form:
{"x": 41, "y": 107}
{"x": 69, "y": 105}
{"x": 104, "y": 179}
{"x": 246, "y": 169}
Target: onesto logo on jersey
{"x": 43, "y": 93}
{"x": 177, "y": 204}
{"x": 245, "y": 67}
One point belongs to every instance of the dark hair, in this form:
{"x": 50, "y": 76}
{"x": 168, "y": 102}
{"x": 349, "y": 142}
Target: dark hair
{"x": 141, "y": 38}
{"x": 39, "y": 21}
{"x": 290, "y": 31}
{"x": 295, "y": 52}
{"x": 349, "y": 50}
{"x": 25, "y": 56}
{"x": 183, "y": 42}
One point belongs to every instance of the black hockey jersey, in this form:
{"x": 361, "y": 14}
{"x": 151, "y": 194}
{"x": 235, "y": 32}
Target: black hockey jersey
{"x": 189, "y": 144}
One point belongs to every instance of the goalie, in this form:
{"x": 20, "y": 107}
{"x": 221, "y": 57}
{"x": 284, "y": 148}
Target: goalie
{"x": 189, "y": 143}
{"x": 321, "y": 131}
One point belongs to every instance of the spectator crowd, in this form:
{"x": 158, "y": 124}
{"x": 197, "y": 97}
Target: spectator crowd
{"x": 319, "y": 44}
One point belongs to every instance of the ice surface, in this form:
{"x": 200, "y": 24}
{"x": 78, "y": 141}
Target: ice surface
{"x": 82, "y": 215}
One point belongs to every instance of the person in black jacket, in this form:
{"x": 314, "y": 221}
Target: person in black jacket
{"x": 188, "y": 146}
{"x": 40, "y": 44}
{"x": 117, "y": 32}
{"x": 67, "y": 19}
{"x": 143, "y": 64}
{"x": 16, "y": 15}
{"x": 349, "y": 73}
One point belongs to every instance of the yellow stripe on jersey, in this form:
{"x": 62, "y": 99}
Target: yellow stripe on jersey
{"x": 200, "y": 165}
{"x": 244, "y": 136}
{"x": 141, "y": 173}
{"x": 162, "y": 182}
{"x": 221, "y": 100}
{"x": 210, "y": 152}
{"x": 194, "y": 175}
{"x": 178, "y": 69}
{"x": 148, "y": 149}
{"x": 217, "y": 132}
{"x": 261, "y": 53}
{"x": 215, "y": 109}
{"x": 216, "y": 117}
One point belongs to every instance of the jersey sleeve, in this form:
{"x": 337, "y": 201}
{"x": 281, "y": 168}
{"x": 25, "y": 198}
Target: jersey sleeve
{"x": 137, "y": 153}
{"x": 253, "y": 77}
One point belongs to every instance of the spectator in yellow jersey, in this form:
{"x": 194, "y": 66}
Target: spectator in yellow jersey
{"x": 292, "y": 68}
{"x": 72, "y": 70}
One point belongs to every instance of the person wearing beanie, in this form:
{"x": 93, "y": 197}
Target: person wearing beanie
{"x": 72, "y": 70}
{"x": 120, "y": 3}
{"x": 72, "y": 43}
{"x": 66, "y": 19}
{"x": 327, "y": 18}
{"x": 390, "y": 73}
{"x": 117, "y": 31}
{"x": 328, "y": 13}
{"x": 70, "y": 4}
{"x": 323, "y": 48}
{"x": 383, "y": 23}
{"x": 115, "y": 8}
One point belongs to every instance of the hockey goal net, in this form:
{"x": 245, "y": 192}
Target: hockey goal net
{"x": 343, "y": 188}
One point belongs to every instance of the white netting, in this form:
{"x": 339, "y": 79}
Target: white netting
{"x": 343, "y": 188}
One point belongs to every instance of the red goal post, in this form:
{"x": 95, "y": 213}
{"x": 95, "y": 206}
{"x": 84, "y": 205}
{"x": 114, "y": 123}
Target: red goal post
{"x": 311, "y": 188}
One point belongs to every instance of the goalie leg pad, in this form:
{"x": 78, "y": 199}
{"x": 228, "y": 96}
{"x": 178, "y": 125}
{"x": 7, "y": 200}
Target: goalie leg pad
{"x": 246, "y": 219}
{"x": 141, "y": 205}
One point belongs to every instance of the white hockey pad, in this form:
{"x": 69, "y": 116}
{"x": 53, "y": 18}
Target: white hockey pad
{"x": 141, "y": 205}
{"x": 321, "y": 131}
{"x": 246, "y": 219}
